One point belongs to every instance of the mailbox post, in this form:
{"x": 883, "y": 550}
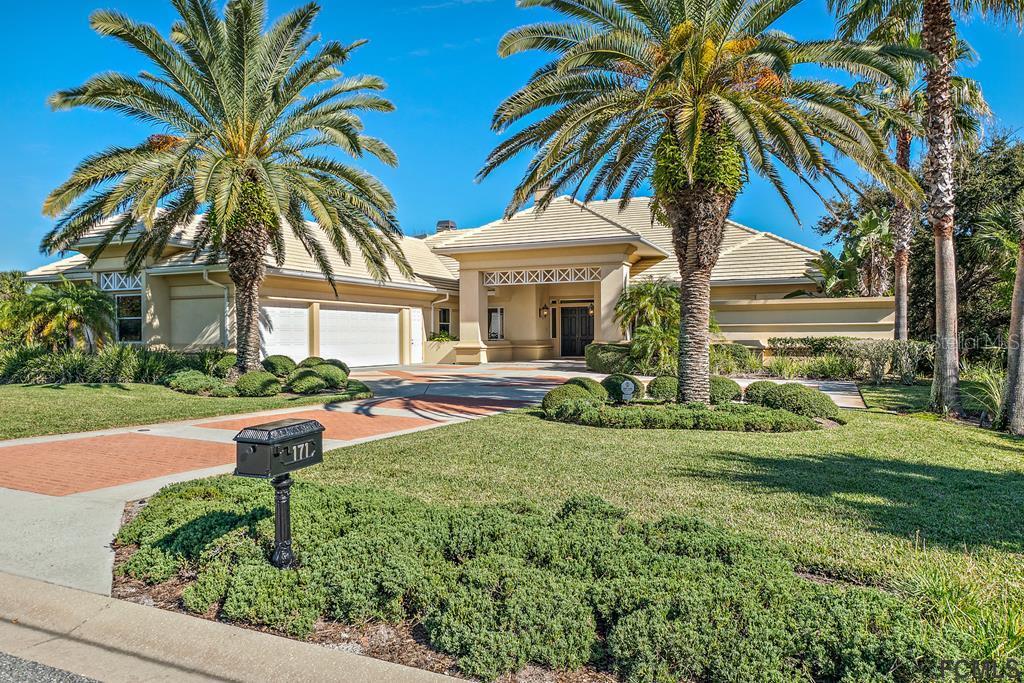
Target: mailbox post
{"x": 273, "y": 451}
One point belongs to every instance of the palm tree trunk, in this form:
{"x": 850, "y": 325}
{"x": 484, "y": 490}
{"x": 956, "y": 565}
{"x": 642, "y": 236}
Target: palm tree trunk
{"x": 697, "y": 217}
{"x": 246, "y": 248}
{"x": 902, "y": 232}
{"x": 1012, "y": 417}
{"x": 938, "y": 34}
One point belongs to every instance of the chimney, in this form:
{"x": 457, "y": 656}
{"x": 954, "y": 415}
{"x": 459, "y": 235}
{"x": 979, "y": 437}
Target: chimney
{"x": 445, "y": 226}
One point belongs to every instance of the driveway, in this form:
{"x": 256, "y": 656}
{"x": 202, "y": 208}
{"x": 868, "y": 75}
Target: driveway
{"x": 62, "y": 497}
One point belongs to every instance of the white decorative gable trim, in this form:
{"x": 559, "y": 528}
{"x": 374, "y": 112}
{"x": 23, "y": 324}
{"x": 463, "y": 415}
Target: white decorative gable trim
{"x": 119, "y": 282}
{"x": 542, "y": 276}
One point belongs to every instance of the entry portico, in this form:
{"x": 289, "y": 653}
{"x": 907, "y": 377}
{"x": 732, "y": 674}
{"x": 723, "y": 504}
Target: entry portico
{"x": 532, "y": 289}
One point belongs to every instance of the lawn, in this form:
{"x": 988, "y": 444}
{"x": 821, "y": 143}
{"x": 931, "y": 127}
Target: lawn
{"x": 37, "y": 410}
{"x": 914, "y": 398}
{"x": 930, "y": 508}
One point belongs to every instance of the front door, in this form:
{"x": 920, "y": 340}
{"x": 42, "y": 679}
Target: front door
{"x": 577, "y": 330}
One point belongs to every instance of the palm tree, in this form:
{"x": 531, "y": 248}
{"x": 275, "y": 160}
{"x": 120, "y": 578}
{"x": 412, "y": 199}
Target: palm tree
{"x": 693, "y": 97}
{"x": 938, "y": 37}
{"x": 68, "y": 314}
{"x": 247, "y": 115}
{"x": 873, "y": 248}
{"x": 648, "y": 303}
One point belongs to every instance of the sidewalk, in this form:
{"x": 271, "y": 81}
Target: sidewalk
{"x": 112, "y": 640}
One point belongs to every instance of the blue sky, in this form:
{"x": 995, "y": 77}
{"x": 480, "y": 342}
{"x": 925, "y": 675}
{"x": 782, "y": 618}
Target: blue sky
{"x": 439, "y": 59}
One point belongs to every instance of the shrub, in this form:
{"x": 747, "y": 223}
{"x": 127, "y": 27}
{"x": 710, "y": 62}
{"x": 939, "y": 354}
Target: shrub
{"x": 305, "y": 381}
{"x": 258, "y": 383}
{"x": 281, "y": 366}
{"x": 654, "y": 351}
{"x": 802, "y": 400}
{"x": 877, "y": 355}
{"x": 333, "y": 376}
{"x": 223, "y": 367}
{"x": 614, "y": 384}
{"x": 784, "y": 367}
{"x": 831, "y": 366}
{"x": 339, "y": 364}
{"x": 14, "y": 360}
{"x": 756, "y": 391}
{"x": 57, "y": 368}
{"x": 498, "y": 587}
{"x": 664, "y": 388}
{"x": 561, "y": 394}
{"x": 155, "y": 365}
{"x": 730, "y": 417}
{"x": 809, "y": 346}
{"x": 193, "y": 382}
{"x": 592, "y": 386}
{"x": 607, "y": 359}
{"x": 724, "y": 390}
{"x": 311, "y": 361}
{"x": 906, "y": 358}
{"x": 116, "y": 363}
{"x": 727, "y": 359}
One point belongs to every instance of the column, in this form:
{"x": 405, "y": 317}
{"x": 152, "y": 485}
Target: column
{"x": 606, "y": 295}
{"x": 471, "y": 349}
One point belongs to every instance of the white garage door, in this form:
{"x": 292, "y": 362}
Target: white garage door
{"x": 285, "y": 330}
{"x": 359, "y": 337}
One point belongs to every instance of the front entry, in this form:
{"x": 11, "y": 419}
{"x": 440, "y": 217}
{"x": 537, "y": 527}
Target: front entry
{"x": 577, "y": 330}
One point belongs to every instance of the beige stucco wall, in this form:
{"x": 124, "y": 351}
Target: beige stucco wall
{"x": 755, "y": 321}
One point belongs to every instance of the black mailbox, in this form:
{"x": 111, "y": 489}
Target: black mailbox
{"x": 276, "y": 448}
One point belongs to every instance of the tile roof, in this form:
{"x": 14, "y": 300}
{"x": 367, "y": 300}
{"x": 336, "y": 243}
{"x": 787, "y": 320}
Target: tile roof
{"x": 70, "y": 267}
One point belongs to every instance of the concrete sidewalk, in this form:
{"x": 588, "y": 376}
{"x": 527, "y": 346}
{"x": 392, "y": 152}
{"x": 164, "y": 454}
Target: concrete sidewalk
{"x": 111, "y": 640}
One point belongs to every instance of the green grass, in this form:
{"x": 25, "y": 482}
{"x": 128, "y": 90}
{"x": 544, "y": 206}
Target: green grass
{"x": 931, "y": 508}
{"x": 914, "y": 398}
{"x": 38, "y": 410}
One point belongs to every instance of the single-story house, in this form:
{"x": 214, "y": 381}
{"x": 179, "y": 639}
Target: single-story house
{"x": 531, "y": 287}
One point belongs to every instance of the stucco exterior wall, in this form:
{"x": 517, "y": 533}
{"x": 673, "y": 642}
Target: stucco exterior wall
{"x": 753, "y": 322}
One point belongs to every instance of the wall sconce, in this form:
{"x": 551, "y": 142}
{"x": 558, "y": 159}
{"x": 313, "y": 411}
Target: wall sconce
{"x": 590, "y": 309}
{"x": 544, "y": 310}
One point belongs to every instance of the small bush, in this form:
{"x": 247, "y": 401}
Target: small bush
{"x": 258, "y": 383}
{"x": 194, "y": 382}
{"x": 13, "y": 361}
{"x": 877, "y": 356}
{"x": 592, "y": 386}
{"x": 607, "y": 359}
{"x": 223, "y": 367}
{"x": 339, "y": 364}
{"x": 831, "y": 366}
{"x": 724, "y": 390}
{"x": 305, "y": 381}
{"x": 664, "y": 388}
{"x": 802, "y": 400}
{"x": 784, "y": 367}
{"x": 57, "y": 368}
{"x": 155, "y": 365}
{"x": 613, "y": 384}
{"x": 333, "y": 376}
{"x": 561, "y": 394}
{"x": 116, "y": 364}
{"x": 906, "y": 358}
{"x": 756, "y": 391}
{"x": 810, "y": 346}
{"x": 730, "y": 417}
{"x": 311, "y": 361}
{"x": 280, "y": 366}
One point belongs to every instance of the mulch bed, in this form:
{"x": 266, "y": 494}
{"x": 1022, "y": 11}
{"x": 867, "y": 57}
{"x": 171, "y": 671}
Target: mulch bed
{"x": 404, "y": 643}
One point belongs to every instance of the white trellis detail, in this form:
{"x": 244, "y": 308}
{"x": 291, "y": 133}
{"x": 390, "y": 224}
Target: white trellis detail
{"x": 542, "y": 276}
{"x": 119, "y": 282}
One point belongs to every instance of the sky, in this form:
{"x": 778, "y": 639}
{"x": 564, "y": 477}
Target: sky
{"x": 440, "y": 61}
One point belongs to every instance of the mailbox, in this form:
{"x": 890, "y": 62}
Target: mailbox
{"x": 274, "y": 449}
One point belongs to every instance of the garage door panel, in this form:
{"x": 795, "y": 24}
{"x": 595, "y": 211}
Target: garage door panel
{"x": 359, "y": 337}
{"x": 285, "y": 330}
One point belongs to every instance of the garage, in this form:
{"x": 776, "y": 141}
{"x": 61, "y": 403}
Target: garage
{"x": 285, "y": 330}
{"x": 360, "y": 337}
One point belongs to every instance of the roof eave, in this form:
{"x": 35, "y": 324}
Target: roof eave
{"x": 556, "y": 244}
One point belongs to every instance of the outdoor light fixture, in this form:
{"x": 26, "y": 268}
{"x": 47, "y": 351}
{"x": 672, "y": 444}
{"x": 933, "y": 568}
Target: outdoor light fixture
{"x": 590, "y": 308}
{"x": 273, "y": 451}
{"x": 544, "y": 310}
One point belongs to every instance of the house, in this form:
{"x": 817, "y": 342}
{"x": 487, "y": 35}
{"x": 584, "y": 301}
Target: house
{"x": 532, "y": 287}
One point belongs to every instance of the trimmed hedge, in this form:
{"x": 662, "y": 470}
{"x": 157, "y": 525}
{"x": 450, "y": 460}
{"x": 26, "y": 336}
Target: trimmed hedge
{"x": 222, "y": 367}
{"x": 607, "y": 359}
{"x": 306, "y": 381}
{"x": 664, "y": 388}
{"x": 592, "y": 386}
{"x": 332, "y": 375}
{"x": 339, "y": 364}
{"x": 563, "y": 393}
{"x": 498, "y": 587}
{"x": 802, "y": 400}
{"x": 730, "y": 417}
{"x": 311, "y": 361}
{"x": 258, "y": 383}
{"x": 280, "y": 366}
{"x": 195, "y": 382}
{"x": 724, "y": 390}
{"x": 756, "y": 391}
{"x": 613, "y": 385}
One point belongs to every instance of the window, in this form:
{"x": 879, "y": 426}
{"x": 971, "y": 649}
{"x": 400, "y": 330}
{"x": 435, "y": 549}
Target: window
{"x": 495, "y": 323}
{"x": 444, "y": 320}
{"x": 129, "y": 317}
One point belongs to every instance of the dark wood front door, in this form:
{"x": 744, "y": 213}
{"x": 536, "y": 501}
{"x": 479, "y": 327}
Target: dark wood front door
{"x": 577, "y": 330}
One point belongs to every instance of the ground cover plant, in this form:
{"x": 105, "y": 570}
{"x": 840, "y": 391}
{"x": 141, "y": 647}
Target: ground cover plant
{"x": 501, "y": 586}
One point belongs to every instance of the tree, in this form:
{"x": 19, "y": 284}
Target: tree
{"x": 873, "y": 248}
{"x": 247, "y": 115}
{"x": 648, "y": 303}
{"x": 69, "y": 314}
{"x": 13, "y": 294}
{"x": 692, "y": 97}
{"x": 938, "y": 37}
